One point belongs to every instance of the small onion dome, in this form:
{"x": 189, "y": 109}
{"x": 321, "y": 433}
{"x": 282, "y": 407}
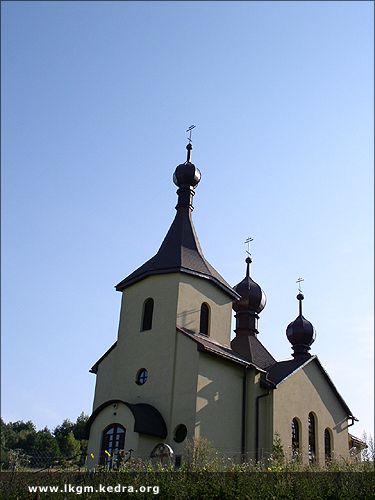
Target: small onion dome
{"x": 252, "y": 296}
{"x": 187, "y": 174}
{"x": 300, "y": 332}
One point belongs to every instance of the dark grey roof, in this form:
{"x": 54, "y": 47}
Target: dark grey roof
{"x": 179, "y": 252}
{"x": 283, "y": 369}
{"x": 94, "y": 368}
{"x": 250, "y": 347}
{"x": 148, "y": 419}
{"x": 212, "y": 347}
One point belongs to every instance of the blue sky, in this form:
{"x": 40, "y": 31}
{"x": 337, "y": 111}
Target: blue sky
{"x": 96, "y": 98}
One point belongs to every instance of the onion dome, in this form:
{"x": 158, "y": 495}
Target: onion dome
{"x": 300, "y": 333}
{"x": 187, "y": 174}
{"x": 252, "y": 301}
{"x": 180, "y": 251}
{"x": 252, "y": 296}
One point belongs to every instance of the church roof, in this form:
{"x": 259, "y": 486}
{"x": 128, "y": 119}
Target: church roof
{"x": 282, "y": 370}
{"x": 205, "y": 344}
{"x": 147, "y": 419}
{"x": 252, "y": 349}
{"x": 179, "y": 252}
{"x": 94, "y": 368}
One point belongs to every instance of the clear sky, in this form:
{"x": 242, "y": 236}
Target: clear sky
{"x": 96, "y": 98}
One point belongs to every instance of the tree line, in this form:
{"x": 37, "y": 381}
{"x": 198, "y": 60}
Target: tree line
{"x": 23, "y": 445}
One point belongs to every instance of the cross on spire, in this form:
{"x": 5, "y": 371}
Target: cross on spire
{"x": 247, "y": 242}
{"x": 189, "y": 147}
{"x": 190, "y": 129}
{"x": 299, "y": 281}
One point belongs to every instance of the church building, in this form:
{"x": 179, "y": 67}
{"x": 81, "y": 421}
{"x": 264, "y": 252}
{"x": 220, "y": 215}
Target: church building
{"x": 174, "y": 374}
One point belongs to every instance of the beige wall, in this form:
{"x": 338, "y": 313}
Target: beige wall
{"x": 192, "y": 293}
{"x": 170, "y": 358}
{"x": 219, "y": 403}
{"x": 308, "y": 391}
{"x": 110, "y": 415}
{"x": 265, "y": 416}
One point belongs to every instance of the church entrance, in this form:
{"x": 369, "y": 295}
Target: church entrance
{"x": 113, "y": 444}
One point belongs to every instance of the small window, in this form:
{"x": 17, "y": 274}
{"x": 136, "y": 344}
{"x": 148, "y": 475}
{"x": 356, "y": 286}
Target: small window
{"x": 180, "y": 433}
{"x": 295, "y": 438}
{"x": 141, "y": 377}
{"x": 148, "y": 311}
{"x": 312, "y": 441}
{"x": 205, "y": 319}
{"x": 327, "y": 445}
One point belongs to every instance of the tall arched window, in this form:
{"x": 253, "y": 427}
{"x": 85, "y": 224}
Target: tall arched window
{"x": 113, "y": 443}
{"x": 204, "y": 325}
{"x": 312, "y": 438}
{"x": 148, "y": 311}
{"x": 295, "y": 438}
{"x": 327, "y": 445}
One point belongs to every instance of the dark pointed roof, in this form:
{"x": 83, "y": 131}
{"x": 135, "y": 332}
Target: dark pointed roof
{"x": 205, "y": 344}
{"x": 250, "y": 347}
{"x": 180, "y": 250}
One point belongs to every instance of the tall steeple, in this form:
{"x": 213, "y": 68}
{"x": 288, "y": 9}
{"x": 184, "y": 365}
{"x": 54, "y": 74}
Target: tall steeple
{"x": 180, "y": 250}
{"x": 247, "y": 309}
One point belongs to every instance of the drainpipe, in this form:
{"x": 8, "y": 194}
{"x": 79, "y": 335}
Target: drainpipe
{"x": 244, "y": 406}
{"x": 353, "y": 421}
{"x": 257, "y": 423}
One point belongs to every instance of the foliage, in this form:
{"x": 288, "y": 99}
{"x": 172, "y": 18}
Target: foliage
{"x": 22, "y": 446}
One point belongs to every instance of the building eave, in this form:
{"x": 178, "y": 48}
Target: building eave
{"x": 95, "y": 366}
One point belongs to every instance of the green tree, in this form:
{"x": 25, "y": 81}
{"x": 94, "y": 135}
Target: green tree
{"x": 79, "y": 428}
{"x": 71, "y": 447}
{"x": 62, "y": 431}
{"x": 45, "y": 450}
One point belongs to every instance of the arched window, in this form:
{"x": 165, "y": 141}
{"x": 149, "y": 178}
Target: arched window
{"x": 113, "y": 443}
{"x": 327, "y": 445}
{"x": 312, "y": 439}
{"x": 204, "y": 325}
{"x": 148, "y": 311}
{"x": 295, "y": 438}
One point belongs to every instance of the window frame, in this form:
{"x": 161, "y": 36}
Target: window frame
{"x": 296, "y": 437}
{"x": 113, "y": 446}
{"x": 205, "y": 320}
{"x": 328, "y": 456}
{"x": 147, "y": 314}
{"x": 311, "y": 427}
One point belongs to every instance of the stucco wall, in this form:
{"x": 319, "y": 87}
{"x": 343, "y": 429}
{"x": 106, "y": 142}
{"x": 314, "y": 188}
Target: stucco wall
{"x": 308, "y": 391}
{"x": 109, "y": 415}
{"x": 219, "y": 403}
{"x": 258, "y": 418}
{"x": 170, "y": 358}
{"x": 192, "y": 293}
{"x": 152, "y": 349}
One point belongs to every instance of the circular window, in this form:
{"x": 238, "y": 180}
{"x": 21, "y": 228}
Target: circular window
{"x": 180, "y": 433}
{"x": 142, "y": 376}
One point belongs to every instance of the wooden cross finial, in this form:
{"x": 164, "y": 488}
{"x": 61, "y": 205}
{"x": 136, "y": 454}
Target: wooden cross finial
{"x": 299, "y": 284}
{"x": 190, "y": 130}
{"x": 247, "y": 242}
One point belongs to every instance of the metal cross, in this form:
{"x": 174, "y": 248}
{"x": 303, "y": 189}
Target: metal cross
{"x": 247, "y": 242}
{"x": 299, "y": 284}
{"x": 190, "y": 130}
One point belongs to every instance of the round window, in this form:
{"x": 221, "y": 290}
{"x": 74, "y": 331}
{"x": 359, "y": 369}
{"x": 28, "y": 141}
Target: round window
{"x": 142, "y": 376}
{"x": 180, "y": 433}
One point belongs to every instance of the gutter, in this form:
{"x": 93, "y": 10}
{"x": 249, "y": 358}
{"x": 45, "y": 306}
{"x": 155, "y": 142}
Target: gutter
{"x": 257, "y": 423}
{"x": 244, "y": 406}
{"x": 353, "y": 421}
